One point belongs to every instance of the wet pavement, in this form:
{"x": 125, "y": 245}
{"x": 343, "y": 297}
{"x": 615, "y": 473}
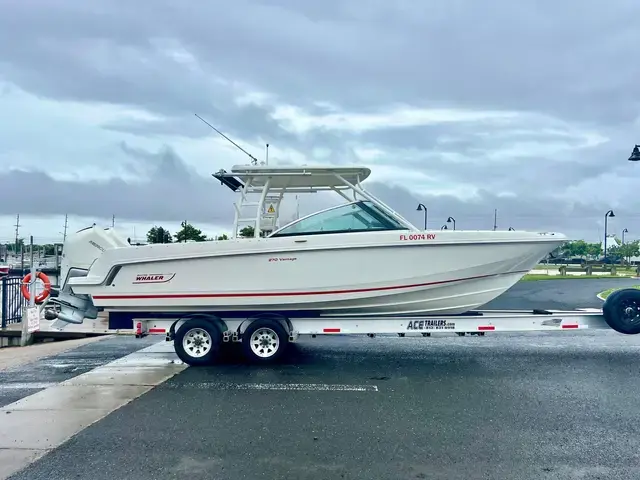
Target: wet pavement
{"x": 503, "y": 406}
{"x": 36, "y": 424}
{"x": 24, "y": 380}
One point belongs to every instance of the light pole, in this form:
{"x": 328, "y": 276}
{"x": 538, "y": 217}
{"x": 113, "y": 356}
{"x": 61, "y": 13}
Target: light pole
{"x": 635, "y": 154}
{"x": 606, "y": 221}
{"x": 623, "y": 232}
{"x": 452, "y": 220}
{"x": 444, "y": 227}
{"x": 423, "y": 208}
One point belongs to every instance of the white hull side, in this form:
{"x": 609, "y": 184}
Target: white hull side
{"x": 398, "y": 278}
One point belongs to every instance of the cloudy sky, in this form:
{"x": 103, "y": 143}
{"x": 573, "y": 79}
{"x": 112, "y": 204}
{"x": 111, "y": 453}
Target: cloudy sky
{"x": 528, "y": 107}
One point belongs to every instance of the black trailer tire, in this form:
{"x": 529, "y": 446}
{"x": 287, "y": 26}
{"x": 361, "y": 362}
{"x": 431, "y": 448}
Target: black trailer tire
{"x": 197, "y": 341}
{"x": 621, "y": 311}
{"x": 264, "y": 341}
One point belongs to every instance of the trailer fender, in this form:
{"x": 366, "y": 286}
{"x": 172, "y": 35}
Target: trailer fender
{"x": 221, "y": 324}
{"x": 621, "y": 311}
{"x": 284, "y": 321}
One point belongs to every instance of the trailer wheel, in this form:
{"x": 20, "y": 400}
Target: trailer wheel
{"x": 197, "y": 341}
{"x": 621, "y": 311}
{"x": 264, "y": 340}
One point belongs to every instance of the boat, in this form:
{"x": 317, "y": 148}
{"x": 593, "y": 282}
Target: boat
{"x": 4, "y": 270}
{"x": 358, "y": 257}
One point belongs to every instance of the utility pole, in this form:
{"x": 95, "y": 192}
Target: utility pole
{"x": 17, "y": 225}
{"x": 113, "y": 221}
{"x": 64, "y": 235}
{"x": 495, "y": 219}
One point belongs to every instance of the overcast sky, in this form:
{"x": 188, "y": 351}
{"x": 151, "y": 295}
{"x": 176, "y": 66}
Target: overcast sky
{"x": 530, "y": 107}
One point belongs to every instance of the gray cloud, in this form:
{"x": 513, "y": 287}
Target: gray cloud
{"x": 169, "y": 192}
{"x": 569, "y": 68}
{"x": 580, "y": 220}
{"x": 530, "y": 55}
{"x": 173, "y": 193}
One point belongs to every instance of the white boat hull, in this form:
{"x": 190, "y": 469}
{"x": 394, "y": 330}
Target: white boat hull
{"x": 369, "y": 273}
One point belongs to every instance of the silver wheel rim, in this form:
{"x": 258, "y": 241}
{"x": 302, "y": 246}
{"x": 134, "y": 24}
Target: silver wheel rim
{"x": 197, "y": 342}
{"x": 264, "y": 342}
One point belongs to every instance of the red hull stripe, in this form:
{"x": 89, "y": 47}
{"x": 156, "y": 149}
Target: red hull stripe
{"x": 142, "y": 296}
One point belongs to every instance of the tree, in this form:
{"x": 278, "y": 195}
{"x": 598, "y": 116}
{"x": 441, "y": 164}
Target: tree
{"x": 189, "y": 232}
{"x": 614, "y": 254}
{"x": 594, "y": 250}
{"x": 247, "y": 232}
{"x": 222, "y": 237}
{"x": 159, "y": 235}
{"x": 626, "y": 251}
{"x": 17, "y": 248}
{"x": 578, "y": 248}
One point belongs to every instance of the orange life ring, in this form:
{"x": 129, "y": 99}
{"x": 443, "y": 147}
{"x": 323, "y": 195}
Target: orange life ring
{"x": 47, "y": 287}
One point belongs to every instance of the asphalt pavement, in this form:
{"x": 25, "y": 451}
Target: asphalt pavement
{"x": 502, "y": 406}
{"x": 24, "y": 380}
{"x": 558, "y": 294}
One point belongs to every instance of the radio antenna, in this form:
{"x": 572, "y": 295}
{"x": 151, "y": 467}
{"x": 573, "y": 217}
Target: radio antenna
{"x": 254, "y": 160}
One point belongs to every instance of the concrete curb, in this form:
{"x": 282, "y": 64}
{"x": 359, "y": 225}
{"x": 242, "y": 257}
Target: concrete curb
{"x": 603, "y": 299}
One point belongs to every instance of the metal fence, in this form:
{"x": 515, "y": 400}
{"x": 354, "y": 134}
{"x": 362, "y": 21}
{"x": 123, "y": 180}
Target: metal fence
{"x": 11, "y": 300}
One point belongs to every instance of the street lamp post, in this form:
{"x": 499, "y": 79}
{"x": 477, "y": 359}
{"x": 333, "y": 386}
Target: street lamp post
{"x": 444, "y": 227}
{"x": 635, "y": 154}
{"x": 452, "y": 220}
{"x": 423, "y": 208}
{"x": 623, "y": 232}
{"x": 606, "y": 221}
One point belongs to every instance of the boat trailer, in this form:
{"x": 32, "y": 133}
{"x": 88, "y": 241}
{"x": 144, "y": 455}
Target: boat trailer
{"x": 264, "y": 337}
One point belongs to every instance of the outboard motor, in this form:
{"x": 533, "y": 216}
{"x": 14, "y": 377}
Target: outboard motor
{"x": 79, "y": 252}
{"x": 84, "y": 247}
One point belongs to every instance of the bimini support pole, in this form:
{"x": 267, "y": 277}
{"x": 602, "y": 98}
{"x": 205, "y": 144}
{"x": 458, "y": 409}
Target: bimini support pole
{"x": 263, "y": 196}
{"x": 239, "y": 206}
{"x": 378, "y": 202}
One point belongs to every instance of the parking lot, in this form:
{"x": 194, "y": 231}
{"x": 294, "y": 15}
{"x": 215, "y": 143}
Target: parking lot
{"x": 503, "y": 406}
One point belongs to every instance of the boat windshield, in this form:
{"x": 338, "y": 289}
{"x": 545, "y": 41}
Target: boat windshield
{"x": 363, "y": 216}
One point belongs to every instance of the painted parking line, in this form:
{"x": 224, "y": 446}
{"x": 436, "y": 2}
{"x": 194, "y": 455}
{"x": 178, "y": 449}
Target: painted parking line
{"x": 26, "y": 385}
{"x": 34, "y": 425}
{"x": 308, "y": 387}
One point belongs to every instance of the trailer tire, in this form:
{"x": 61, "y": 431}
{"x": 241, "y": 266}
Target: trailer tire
{"x": 264, "y": 341}
{"x": 621, "y": 311}
{"x": 197, "y": 341}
